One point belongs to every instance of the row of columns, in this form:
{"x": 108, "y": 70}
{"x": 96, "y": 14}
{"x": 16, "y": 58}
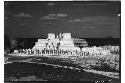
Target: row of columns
{"x": 57, "y": 52}
{"x": 52, "y": 52}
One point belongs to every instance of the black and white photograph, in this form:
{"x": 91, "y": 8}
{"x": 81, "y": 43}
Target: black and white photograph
{"x": 65, "y": 41}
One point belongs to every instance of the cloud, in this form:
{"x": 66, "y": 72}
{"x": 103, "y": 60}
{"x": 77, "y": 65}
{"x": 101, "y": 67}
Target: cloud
{"x": 54, "y": 16}
{"x": 20, "y": 15}
{"x": 94, "y": 20}
{"x": 98, "y": 20}
{"x": 92, "y": 27}
{"x": 75, "y": 20}
{"x": 50, "y": 17}
{"x": 51, "y": 4}
{"x": 62, "y": 15}
{"x": 98, "y": 25}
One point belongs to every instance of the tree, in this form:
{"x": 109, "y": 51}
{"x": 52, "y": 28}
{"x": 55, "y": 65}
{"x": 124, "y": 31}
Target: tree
{"x": 6, "y": 44}
{"x": 13, "y": 44}
{"x": 6, "y": 41}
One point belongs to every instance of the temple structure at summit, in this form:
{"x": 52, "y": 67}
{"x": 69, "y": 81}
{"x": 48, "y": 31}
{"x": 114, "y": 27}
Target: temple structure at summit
{"x": 62, "y": 41}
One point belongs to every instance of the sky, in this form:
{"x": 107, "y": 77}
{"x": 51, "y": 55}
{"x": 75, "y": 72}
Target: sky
{"x": 86, "y": 19}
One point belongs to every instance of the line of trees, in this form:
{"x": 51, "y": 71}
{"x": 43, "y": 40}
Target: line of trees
{"x": 9, "y": 44}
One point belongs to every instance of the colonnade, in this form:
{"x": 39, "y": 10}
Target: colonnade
{"x": 49, "y": 52}
{"x": 65, "y": 52}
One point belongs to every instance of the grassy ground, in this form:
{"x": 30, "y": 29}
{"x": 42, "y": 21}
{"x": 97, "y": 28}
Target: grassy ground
{"x": 20, "y": 70}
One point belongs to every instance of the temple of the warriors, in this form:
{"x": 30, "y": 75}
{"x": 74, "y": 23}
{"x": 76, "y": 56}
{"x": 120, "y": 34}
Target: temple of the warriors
{"x": 62, "y": 45}
{"x": 61, "y": 41}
